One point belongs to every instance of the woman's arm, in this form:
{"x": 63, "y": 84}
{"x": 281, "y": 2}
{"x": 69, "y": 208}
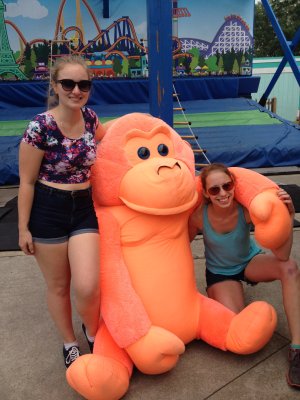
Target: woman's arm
{"x": 283, "y": 252}
{"x": 100, "y": 132}
{"x": 30, "y": 160}
{"x": 195, "y": 222}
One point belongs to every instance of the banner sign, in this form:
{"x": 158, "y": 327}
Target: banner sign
{"x": 209, "y": 38}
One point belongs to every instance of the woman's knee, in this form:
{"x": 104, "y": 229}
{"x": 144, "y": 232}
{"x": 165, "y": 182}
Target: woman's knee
{"x": 87, "y": 293}
{"x": 289, "y": 270}
{"x": 60, "y": 289}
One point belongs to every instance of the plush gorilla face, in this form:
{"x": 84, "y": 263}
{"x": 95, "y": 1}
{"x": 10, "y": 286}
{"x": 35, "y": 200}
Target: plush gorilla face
{"x": 146, "y": 165}
{"x": 158, "y": 182}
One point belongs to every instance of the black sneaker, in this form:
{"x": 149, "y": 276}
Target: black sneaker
{"x": 91, "y": 344}
{"x": 293, "y": 376}
{"x": 70, "y": 355}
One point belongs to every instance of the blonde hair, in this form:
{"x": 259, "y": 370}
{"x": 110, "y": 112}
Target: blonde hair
{"x": 59, "y": 64}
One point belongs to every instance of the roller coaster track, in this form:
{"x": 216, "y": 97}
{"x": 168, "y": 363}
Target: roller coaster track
{"x": 60, "y": 11}
{"x": 111, "y": 26}
{"x": 176, "y": 40}
{"x": 233, "y": 34}
{"x": 132, "y": 37}
{"x": 116, "y": 52}
{"x": 189, "y": 55}
{"x": 71, "y": 29}
{"x": 111, "y": 48}
{"x": 22, "y": 37}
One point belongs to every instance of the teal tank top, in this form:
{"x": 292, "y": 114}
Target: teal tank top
{"x": 228, "y": 253}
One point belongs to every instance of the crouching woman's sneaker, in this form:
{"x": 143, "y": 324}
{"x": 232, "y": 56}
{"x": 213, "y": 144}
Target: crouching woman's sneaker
{"x": 293, "y": 376}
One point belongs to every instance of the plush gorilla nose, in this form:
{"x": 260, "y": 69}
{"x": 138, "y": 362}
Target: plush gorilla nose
{"x": 165, "y": 170}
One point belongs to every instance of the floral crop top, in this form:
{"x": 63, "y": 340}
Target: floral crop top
{"x": 65, "y": 160}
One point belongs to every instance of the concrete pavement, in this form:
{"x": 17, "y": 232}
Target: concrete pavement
{"x": 31, "y": 362}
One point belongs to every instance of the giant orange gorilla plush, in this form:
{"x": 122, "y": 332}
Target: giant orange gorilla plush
{"x": 144, "y": 190}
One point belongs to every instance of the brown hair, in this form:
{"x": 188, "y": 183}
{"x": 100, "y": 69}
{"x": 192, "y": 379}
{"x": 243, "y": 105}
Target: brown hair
{"x": 214, "y": 167}
{"x": 58, "y": 66}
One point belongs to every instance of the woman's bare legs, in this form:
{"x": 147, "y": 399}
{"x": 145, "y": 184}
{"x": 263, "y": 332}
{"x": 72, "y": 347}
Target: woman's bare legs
{"x": 230, "y": 293}
{"x": 83, "y": 253}
{"x": 266, "y": 268}
{"x": 53, "y": 262}
{"x": 78, "y": 258}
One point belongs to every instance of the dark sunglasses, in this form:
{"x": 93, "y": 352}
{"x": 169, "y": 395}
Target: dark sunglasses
{"x": 68, "y": 85}
{"x": 214, "y": 190}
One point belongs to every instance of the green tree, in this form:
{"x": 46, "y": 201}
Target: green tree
{"x": 42, "y": 52}
{"x": 221, "y": 64}
{"x": 125, "y": 67}
{"x": 28, "y": 69}
{"x": 132, "y": 63}
{"x": 236, "y": 67}
{"x": 228, "y": 60}
{"x": 186, "y": 64}
{"x": 33, "y": 56}
{"x": 266, "y": 43}
{"x": 239, "y": 57}
{"x": 201, "y": 60}
{"x": 117, "y": 66}
{"x": 195, "y": 54}
{"x": 212, "y": 64}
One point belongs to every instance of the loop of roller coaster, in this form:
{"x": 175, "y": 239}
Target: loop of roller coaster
{"x": 110, "y": 50}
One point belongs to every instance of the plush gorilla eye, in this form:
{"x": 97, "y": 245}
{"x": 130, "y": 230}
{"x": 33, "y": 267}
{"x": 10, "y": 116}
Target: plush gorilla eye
{"x": 143, "y": 153}
{"x": 163, "y": 149}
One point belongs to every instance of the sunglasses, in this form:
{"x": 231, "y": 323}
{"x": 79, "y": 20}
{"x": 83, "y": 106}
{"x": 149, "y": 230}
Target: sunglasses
{"x": 214, "y": 190}
{"x": 68, "y": 85}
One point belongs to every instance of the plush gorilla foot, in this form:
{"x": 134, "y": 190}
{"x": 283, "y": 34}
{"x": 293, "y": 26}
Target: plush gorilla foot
{"x": 98, "y": 378}
{"x": 252, "y": 328}
{"x": 156, "y": 352}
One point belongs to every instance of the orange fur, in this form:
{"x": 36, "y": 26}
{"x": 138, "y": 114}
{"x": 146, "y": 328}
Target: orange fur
{"x": 150, "y": 304}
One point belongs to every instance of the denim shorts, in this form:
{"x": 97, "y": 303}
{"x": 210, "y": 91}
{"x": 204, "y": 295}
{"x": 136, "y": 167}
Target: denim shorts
{"x": 212, "y": 278}
{"x": 57, "y": 214}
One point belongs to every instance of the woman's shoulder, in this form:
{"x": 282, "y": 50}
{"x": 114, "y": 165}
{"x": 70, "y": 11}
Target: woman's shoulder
{"x": 89, "y": 113}
{"x": 44, "y": 118}
{"x": 37, "y": 123}
{"x": 197, "y": 216}
{"x": 245, "y": 212}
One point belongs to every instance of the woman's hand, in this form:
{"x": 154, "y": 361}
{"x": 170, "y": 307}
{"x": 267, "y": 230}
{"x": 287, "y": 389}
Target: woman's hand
{"x": 25, "y": 242}
{"x": 287, "y": 200}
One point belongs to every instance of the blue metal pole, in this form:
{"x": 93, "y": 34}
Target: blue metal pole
{"x": 280, "y": 68}
{"x": 286, "y": 48}
{"x": 159, "y": 36}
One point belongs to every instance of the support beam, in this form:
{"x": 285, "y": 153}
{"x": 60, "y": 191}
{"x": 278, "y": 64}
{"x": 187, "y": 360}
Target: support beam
{"x": 105, "y": 8}
{"x": 159, "y": 36}
{"x": 287, "y": 48}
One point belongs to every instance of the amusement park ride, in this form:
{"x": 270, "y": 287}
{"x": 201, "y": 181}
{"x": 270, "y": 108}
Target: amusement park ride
{"x": 119, "y": 39}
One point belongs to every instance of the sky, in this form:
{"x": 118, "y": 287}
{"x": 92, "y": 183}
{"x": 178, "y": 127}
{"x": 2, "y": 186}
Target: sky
{"x": 37, "y": 18}
{"x": 208, "y": 16}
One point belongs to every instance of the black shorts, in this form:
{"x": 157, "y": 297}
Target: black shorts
{"x": 212, "y": 278}
{"x": 57, "y": 214}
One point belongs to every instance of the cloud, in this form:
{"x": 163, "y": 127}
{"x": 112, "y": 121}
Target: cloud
{"x": 27, "y": 9}
{"x": 141, "y": 29}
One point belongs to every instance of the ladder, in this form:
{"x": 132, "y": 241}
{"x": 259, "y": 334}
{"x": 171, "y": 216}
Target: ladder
{"x": 190, "y": 137}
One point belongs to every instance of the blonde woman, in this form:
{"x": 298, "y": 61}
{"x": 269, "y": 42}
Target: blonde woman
{"x": 57, "y": 221}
